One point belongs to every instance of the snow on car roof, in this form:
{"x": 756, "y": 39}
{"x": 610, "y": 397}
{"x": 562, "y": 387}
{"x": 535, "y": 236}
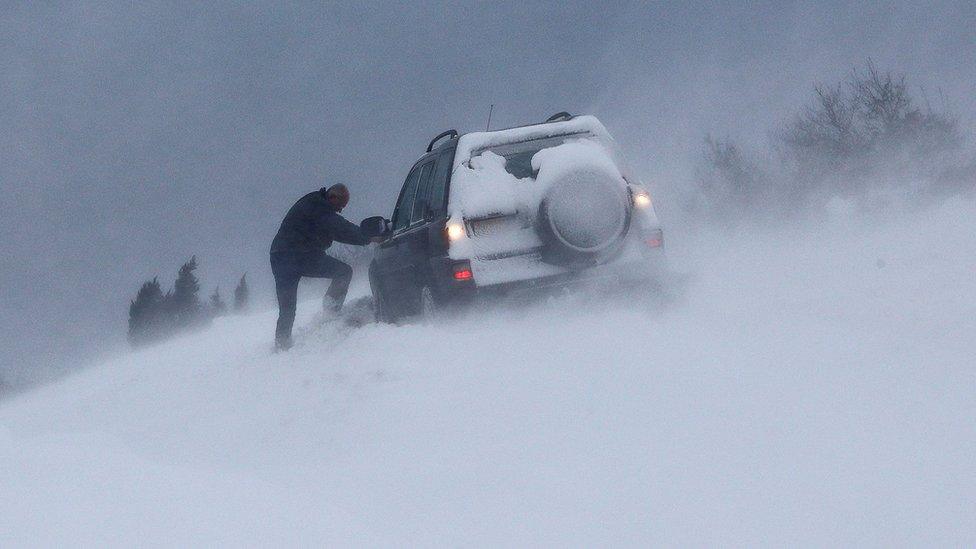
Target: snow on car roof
{"x": 470, "y": 143}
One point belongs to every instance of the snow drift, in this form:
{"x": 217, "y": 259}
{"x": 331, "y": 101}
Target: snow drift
{"x": 816, "y": 387}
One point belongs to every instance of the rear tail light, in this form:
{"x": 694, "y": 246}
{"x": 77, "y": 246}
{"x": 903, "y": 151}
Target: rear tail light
{"x": 642, "y": 199}
{"x": 655, "y": 239}
{"x": 639, "y": 196}
{"x": 455, "y": 231}
{"x": 462, "y": 271}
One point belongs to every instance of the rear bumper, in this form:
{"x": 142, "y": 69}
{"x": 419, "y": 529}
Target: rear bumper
{"x": 618, "y": 273}
{"x": 647, "y": 267}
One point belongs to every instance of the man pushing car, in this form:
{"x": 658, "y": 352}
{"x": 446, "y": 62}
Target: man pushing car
{"x": 298, "y": 250}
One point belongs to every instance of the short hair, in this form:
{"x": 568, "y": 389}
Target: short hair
{"x": 339, "y": 191}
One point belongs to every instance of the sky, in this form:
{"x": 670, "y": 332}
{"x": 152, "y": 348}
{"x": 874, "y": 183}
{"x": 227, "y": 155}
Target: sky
{"x": 133, "y": 136}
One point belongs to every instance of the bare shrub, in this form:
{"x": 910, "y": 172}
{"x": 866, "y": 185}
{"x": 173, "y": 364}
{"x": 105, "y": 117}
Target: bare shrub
{"x": 865, "y": 139}
{"x": 728, "y": 181}
{"x": 866, "y": 132}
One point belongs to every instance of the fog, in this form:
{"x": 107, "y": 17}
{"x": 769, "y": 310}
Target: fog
{"x": 801, "y": 375}
{"x": 136, "y": 136}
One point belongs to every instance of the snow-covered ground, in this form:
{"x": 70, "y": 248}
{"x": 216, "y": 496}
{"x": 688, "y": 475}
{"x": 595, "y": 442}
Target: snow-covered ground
{"x": 817, "y": 387}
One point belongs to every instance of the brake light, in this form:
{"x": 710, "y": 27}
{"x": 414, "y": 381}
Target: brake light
{"x": 463, "y": 274}
{"x": 656, "y": 239}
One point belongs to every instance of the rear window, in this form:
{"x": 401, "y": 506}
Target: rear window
{"x": 518, "y": 156}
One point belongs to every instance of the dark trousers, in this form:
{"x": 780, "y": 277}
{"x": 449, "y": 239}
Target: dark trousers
{"x": 289, "y": 268}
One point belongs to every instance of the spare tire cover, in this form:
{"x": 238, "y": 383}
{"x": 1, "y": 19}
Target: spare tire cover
{"x": 583, "y": 216}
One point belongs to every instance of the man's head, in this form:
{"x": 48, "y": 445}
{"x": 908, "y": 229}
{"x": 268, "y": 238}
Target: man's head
{"x": 338, "y": 196}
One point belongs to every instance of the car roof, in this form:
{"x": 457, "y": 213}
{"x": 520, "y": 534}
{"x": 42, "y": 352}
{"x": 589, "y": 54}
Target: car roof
{"x": 470, "y": 142}
{"x": 562, "y": 117}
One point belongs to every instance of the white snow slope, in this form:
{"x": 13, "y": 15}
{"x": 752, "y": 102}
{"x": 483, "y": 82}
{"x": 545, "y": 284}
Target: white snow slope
{"x": 811, "y": 388}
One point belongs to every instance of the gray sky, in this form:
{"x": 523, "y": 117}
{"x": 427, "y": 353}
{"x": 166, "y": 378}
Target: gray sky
{"x": 135, "y": 135}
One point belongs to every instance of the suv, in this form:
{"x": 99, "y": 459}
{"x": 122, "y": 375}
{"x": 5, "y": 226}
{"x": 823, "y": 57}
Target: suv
{"x": 489, "y": 213}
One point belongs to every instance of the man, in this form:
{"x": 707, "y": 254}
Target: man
{"x": 298, "y": 250}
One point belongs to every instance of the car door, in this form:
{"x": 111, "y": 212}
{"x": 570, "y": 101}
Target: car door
{"x": 437, "y": 261}
{"x": 383, "y": 270}
{"x": 405, "y": 250}
{"x": 437, "y": 188}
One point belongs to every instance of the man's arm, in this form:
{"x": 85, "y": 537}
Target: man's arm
{"x": 342, "y": 230}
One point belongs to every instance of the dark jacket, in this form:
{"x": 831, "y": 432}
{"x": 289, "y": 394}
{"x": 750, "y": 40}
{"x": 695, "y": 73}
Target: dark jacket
{"x": 312, "y": 224}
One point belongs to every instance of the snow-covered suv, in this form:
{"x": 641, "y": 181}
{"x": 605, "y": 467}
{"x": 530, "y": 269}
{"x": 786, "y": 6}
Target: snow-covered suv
{"x": 503, "y": 210}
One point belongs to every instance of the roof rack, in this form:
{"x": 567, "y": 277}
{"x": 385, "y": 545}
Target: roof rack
{"x": 559, "y": 116}
{"x": 452, "y": 133}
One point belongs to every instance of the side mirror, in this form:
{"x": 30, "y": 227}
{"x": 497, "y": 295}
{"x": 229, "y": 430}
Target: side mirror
{"x": 375, "y": 226}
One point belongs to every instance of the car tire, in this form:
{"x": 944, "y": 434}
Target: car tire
{"x": 430, "y": 309}
{"x": 380, "y": 309}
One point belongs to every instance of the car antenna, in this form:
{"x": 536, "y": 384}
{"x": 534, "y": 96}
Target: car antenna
{"x": 490, "y": 108}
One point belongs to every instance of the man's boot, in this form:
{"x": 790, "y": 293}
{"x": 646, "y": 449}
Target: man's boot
{"x": 282, "y": 344}
{"x": 330, "y": 306}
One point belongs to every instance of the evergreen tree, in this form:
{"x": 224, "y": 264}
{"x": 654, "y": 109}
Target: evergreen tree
{"x": 217, "y": 305}
{"x": 241, "y": 295}
{"x": 186, "y": 306}
{"x": 147, "y": 313}
{"x": 167, "y": 314}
